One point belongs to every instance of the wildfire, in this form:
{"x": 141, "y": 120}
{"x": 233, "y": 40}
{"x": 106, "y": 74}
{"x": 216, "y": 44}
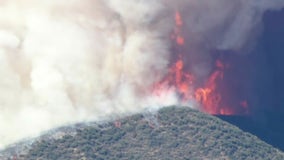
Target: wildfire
{"x": 178, "y": 19}
{"x": 182, "y": 82}
{"x": 209, "y": 97}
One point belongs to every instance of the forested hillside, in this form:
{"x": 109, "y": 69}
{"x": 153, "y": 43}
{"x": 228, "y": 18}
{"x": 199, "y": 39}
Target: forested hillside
{"x": 173, "y": 133}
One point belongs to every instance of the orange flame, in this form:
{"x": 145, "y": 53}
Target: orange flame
{"x": 183, "y": 83}
{"x": 209, "y": 97}
{"x": 180, "y": 40}
{"x": 178, "y": 19}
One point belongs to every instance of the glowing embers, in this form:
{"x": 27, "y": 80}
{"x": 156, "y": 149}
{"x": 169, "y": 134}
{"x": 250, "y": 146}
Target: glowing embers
{"x": 178, "y": 19}
{"x": 177, "y": 34}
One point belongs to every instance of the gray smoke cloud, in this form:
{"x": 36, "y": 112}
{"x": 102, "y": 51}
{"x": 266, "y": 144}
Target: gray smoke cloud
{"x": 72, "y": 61}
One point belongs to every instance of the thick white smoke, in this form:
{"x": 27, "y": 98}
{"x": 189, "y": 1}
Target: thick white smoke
{"x": 72, "y": 61}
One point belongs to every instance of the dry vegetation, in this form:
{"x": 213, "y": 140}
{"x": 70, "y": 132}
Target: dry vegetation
{"x": 173, "y": 133}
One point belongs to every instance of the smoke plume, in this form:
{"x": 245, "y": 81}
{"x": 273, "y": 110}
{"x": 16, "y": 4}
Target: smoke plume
{"x": 72, "y": 61}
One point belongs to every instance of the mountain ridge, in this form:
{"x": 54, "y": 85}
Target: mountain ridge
{"x": 172, "y": 133}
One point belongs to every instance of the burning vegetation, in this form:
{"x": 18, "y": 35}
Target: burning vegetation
{"x": 96, "y": 60}
{"x": 182, "y": 82}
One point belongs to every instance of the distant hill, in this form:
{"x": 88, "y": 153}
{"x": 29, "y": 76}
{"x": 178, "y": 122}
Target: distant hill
{"x": 172, "y": 133}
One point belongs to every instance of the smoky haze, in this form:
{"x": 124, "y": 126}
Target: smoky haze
{"x": 73, "y": 61}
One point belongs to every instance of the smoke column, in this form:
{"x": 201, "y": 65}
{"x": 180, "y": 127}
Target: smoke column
{"x": 73, "y": 61}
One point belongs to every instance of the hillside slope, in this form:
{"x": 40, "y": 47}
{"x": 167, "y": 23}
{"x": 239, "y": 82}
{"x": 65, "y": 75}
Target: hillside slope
{"x": 173, "y": 133}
